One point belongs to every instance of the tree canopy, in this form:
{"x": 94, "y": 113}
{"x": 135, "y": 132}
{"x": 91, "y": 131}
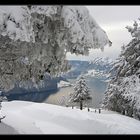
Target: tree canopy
{"x": 123, "y": 93}
{"x": 34, "y": 40}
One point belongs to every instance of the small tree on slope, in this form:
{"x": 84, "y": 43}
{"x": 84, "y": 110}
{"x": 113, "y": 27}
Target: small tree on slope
{"x": 81, "y": 93}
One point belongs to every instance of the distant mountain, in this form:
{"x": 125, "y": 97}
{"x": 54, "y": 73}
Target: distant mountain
{"x": 98, "y": 68}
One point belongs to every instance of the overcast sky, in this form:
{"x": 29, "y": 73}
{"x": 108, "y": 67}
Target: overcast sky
{"x": 113, "y": 20}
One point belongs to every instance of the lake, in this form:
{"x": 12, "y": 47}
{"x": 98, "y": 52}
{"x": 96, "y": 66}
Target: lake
{"x": 61, "y": 95}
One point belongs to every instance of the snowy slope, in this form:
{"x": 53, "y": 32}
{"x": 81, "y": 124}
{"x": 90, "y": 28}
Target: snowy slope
{"x": 5, "y": 129}
{"x": 41, "y": 118}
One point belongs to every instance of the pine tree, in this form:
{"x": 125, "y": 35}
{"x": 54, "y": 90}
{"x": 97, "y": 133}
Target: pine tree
{"x": 81, "y": 93}
{"x": 123, "y": 92}
{"x": 1, "y": 99}
{"x": 34, "y": 40}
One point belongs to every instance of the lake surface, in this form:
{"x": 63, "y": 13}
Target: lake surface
{"x": 60, "y": 97}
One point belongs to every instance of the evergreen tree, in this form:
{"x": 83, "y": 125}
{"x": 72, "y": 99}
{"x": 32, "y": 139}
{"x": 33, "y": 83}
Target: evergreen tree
{"x": 1, "y": 99}
{"x": 123, "y": 93}
{"x": 81, "y": 93}
{"x": 34, "y": 40}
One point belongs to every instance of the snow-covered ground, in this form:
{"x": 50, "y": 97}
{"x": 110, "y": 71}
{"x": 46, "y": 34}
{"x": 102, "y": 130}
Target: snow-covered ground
{"x": 42, "y": 118}
{"x": 5, "y": 129}
{"x": 63, "y": 84}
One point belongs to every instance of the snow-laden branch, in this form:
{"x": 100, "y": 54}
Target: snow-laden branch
{"x": 34, "y": 40}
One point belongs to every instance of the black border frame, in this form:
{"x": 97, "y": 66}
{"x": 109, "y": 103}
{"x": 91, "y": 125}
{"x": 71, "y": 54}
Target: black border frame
{"x": 74, "y": 3}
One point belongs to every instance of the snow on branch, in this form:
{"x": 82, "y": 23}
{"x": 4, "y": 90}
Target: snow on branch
{"x": 135, "y": 30}
{"x": 34, "y": 40}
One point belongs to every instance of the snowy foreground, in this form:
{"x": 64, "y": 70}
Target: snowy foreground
{"x": 41, "y": 118}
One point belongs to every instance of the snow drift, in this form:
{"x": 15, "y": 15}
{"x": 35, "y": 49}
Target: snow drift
{"x": 41, "y": 118}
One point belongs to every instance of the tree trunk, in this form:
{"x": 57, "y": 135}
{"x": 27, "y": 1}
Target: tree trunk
{"x": 81, "y": 105}
{"x": 123, "y": 112}
{"x": 99, "y": 110}
{"x": 2, "y": 118}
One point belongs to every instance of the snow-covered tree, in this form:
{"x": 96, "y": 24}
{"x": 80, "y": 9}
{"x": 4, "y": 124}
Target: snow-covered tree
{"x": 35, "y": 39}
{"x": 123, "y": 93}
{"x": 1, "y": 99}
{"x": 81, "y": 93}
